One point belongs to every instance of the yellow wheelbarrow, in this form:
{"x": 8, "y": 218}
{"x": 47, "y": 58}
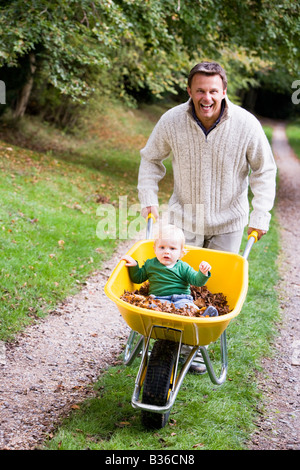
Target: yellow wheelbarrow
{"x": 161, "y": 371}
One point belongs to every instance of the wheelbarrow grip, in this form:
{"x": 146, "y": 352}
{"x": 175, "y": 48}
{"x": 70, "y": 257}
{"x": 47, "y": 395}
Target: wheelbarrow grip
{"x": 252, "y": 238}
{"x": 150, "y": 220}
{"x": 254, "y": 234}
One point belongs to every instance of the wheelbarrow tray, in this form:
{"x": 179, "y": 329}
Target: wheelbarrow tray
{"x": 229, "y": 276}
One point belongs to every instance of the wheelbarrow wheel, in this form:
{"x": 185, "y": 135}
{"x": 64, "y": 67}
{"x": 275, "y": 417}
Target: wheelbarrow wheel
{"x": 158, "y": 382}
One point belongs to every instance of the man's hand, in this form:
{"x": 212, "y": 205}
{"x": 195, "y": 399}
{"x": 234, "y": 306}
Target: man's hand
{"x": 153, "y": 209}
{"x": 260, "y": 233}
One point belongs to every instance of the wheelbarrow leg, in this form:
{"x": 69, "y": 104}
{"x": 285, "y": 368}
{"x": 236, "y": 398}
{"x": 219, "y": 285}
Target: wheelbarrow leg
{"x": 133, "y": 347}
{"x": 224, "y": 362}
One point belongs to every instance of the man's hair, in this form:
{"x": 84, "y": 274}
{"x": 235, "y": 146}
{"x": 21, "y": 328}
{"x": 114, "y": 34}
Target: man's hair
{"x": 208, "y": 68}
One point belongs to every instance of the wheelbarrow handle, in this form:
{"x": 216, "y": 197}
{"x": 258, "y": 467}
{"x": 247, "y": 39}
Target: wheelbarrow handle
{"x": 252, "y": 238}
{"x": 150, "y": 221}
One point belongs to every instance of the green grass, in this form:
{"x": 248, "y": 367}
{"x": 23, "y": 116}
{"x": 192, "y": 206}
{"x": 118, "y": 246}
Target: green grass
{"x": 268, "y": 131}
{"x": 49, "y": 202}
{"x": 293, "y": 134}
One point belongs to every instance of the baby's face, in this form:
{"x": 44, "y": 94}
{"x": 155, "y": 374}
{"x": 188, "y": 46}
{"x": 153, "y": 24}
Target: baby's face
{"x": 167, "y": 251}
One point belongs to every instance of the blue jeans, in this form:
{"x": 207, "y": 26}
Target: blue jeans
{"x": 179, "y": 300}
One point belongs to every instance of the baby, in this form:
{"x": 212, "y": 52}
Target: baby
{"x": 169, "y": 277}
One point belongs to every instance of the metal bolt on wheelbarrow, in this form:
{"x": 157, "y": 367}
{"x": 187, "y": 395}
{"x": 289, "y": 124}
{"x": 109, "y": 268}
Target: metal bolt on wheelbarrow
{"x": 161, "y": 370}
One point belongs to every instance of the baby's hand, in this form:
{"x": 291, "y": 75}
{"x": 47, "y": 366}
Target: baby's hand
{"x": 204, "y": 267}
{"x": 130, "y": 260}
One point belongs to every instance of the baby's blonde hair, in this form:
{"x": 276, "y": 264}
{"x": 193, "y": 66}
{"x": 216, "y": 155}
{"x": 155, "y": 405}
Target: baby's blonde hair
{"x": 169, "y": 231}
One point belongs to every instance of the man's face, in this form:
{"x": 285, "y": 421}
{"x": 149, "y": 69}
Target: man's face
{"x": 207, "y": 94}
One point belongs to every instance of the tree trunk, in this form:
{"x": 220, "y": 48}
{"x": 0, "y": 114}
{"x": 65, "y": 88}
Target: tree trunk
{"x": 24, "y": 94}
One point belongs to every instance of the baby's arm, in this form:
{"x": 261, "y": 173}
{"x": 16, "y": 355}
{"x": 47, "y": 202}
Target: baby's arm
{"x": 130, "y": 260}
{"x": 137, "y": 274}
{"x": 204, "y": 267}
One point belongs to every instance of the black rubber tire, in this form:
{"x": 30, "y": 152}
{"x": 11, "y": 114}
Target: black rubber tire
{"x": 158, "y": 382}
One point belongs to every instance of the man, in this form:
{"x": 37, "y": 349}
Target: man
{"x": 217, "y": 149}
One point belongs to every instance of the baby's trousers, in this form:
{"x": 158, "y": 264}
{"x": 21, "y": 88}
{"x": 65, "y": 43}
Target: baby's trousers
{"x": 179, "y": 300}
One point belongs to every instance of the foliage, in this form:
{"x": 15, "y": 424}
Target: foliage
{"x": 56, "y": 32}
{"x": 123, "y": 46}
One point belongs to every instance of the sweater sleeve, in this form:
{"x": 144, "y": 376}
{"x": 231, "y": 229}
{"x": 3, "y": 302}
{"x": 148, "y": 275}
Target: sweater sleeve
{"x": 152, "y": 170}
{"x": 196, "y": 278}
{"x": 262, "y": 179}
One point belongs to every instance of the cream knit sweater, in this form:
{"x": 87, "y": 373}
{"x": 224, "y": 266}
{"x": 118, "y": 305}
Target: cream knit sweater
{"x": 211, "y": 173}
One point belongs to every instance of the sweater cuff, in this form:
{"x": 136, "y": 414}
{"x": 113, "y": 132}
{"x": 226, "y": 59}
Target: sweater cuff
{"x": 147, "y": 198}
{"x": 203, "y": 278}
{"x": 260, "y": 220}
{"x": 134, "y": 269}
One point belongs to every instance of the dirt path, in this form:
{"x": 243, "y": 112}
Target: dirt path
{"x": 50, "y": 366}
{"x": 279, "y": 427}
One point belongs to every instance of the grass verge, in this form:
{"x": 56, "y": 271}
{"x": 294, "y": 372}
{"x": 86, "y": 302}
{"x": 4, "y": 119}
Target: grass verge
{"x": 50, "y": 198}
{"x": 293, "y": 134}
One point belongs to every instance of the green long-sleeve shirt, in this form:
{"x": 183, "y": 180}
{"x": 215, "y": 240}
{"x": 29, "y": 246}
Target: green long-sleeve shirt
{"x": 167, "y": 281}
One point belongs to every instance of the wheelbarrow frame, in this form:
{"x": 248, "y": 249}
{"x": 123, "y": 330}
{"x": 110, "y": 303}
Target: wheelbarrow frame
{"x": 176, "y": 384}
{"x": 142, "y": 346}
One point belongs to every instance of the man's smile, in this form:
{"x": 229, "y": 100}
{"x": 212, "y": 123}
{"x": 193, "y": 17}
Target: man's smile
{"x": 207, "y": 93}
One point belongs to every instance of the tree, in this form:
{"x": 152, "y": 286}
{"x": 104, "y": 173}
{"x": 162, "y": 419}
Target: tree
{"x": 126, "y": 45}
{"x": 58, "y": 36}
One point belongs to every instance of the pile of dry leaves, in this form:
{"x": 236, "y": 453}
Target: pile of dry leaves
{"x": 203, "y": 298}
